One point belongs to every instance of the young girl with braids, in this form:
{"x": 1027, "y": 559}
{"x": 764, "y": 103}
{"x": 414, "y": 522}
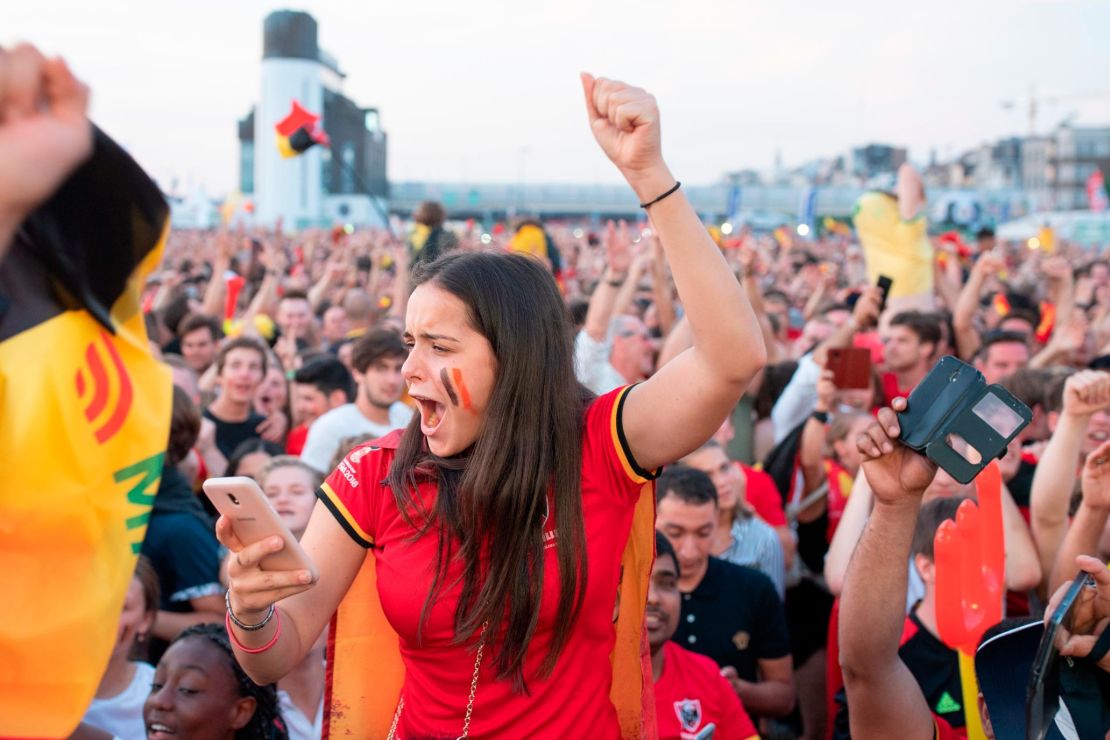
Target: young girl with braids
{"x": 199, "y": 692}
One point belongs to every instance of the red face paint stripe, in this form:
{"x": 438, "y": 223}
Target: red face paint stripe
{"x": 463, "y": 392}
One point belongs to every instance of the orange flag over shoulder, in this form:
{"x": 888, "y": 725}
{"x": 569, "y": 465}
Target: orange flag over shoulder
{"x": 361, "y": 703}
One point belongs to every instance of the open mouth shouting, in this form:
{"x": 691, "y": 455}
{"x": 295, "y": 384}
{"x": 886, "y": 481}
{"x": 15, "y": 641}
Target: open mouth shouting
{"x": 431, "y": 414}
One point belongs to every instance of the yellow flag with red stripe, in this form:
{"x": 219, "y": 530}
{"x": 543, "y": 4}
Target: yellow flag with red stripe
{"x": 84, "y": 424}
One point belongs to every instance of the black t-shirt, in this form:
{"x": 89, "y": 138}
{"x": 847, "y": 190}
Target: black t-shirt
{"x": 734, "y": 616}
{"x": 231, "y": 434}
{"x": 1021, "y": 487}
{"x": 935, "y": 667}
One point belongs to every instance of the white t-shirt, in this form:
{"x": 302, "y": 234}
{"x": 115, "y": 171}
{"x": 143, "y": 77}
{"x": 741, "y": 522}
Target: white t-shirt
{"x": 591, "y": 365}
{"x": 122, "y": 715}
{"x": 330, "y": 429}
{"x": 296, "y": 722}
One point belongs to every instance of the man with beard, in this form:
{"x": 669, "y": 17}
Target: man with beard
{"x": 376, "y": 360}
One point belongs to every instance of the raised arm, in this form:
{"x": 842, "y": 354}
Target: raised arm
{"x": 865, "y": 315}
{"x": 848, "y": 533}
{"x": 884, "y": 699}
{"x": 967, "y": 304}
{"x": 215, "y": 292}
{"x": 44, "y": 132}
{"x": 618, "y": 260}
{"x": 1053, "y": 483}
{"x": 661, "y": 287}
{"x": 694, "y": 392}
{"x": 1023, "y": 565}
{"x": 811, "y": 449}
{"x": 1082, "y": 537}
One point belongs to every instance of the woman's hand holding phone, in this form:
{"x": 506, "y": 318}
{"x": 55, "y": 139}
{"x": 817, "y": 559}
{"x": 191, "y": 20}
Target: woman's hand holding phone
{"x": 253, "y": 590}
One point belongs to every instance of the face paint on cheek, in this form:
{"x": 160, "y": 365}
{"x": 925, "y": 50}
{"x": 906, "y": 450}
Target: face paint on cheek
{"x": 447, "y": 387}
{"x": 457, "y": 374}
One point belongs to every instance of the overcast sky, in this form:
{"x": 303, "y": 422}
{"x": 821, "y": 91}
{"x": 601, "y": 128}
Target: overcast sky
{"x": 487, "y": 91}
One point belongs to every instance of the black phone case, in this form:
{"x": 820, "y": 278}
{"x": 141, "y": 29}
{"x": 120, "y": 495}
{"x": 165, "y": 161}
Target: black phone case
{"x": 942, "y": 405}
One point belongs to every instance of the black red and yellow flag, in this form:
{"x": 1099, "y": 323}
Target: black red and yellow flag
{"x": 84, "y": 419}
{"x": 298, "y": 132}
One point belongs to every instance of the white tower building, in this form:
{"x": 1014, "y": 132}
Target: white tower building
{"x": 289, "y": 189}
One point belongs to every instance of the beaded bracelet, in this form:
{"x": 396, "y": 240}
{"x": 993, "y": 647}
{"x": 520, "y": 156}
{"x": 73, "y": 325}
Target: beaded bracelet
{"x": 243, "y": 625}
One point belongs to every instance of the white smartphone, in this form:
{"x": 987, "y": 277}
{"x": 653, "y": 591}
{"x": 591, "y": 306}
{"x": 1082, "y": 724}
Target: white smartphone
{"x": 252, "y": 517}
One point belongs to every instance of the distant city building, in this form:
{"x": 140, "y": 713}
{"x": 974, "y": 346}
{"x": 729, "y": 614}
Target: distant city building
{"x": 325, "y": 185}
{"x": 872, "y": 160}
{"x": 1079, "y": 152}
{"x": 999, "y": 165}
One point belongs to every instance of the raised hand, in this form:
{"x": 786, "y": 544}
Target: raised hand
{"x": 252, "y": 589}
{"x": 1090, "y": 615}
{"x": 1057, "y": 269}
{"x": 866, "y": 310}
{"x": 272, "y": 428}
{"x": 618, "y": 248}
{"x": 1096, "y": 478}
{"x": 1086, "y": 392}
{"x": 44, "y": 129}
{"x": 827, "y": 392}
{"x": 988, "y": 264}
{"x": 896, "y": 473}
{"x": 625, "y": 122}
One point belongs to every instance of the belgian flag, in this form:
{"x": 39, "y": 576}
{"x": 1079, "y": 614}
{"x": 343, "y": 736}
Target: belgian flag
{"x": 298, "y": 132}
{"x": 84, "y": 421}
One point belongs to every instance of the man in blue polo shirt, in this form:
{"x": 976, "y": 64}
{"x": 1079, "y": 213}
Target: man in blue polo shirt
{"x": 730, "y": 613}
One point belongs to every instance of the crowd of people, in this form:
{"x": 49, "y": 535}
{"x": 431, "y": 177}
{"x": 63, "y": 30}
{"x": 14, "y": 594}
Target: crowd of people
{"x": 793, "y": 588}
{"x": 307, "y": 364}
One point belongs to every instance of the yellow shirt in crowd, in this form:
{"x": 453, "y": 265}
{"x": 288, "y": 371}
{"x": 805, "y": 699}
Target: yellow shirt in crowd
{"x": 894, "y": 247}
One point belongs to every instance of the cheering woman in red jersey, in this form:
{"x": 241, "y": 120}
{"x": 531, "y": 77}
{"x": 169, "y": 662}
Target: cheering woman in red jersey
{"x": 496, "y": 523}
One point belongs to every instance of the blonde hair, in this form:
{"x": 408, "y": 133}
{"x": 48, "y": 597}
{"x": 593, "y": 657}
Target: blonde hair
{"x": 289, "y": 461}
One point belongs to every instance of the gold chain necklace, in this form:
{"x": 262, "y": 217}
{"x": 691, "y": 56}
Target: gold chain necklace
{"x": 469, "y": 704}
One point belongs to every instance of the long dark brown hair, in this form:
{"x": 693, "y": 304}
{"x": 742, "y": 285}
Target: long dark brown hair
{"x": 492, "y": 498}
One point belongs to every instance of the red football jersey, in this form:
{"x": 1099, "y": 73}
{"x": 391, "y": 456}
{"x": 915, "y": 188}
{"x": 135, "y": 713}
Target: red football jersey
{"x": 574, "y": 700}
{"x": 691, "y": 694}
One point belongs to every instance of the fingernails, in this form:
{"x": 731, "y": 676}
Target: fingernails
{"x": 305, "y": 577}
{"x": 892, "y": 429}
{"x": 275, "y": 543}
{"x": 888, "y": 447}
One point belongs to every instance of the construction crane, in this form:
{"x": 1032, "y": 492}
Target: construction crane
{"x": 1032, "y": 102}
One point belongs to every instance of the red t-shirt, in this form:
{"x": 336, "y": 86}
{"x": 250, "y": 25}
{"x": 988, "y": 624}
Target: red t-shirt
{"x": 294, "y": 443}
{"x": 574, "y": 700}
{"x": 891, "y": 389}
{"x": 691, "y": 694}
{"x": 763, "y": 496}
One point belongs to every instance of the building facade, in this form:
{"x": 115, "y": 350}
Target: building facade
{"x": 345, "y": 182}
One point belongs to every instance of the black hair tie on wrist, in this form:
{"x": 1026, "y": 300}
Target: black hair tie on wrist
{"x": 677, "y": 185}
